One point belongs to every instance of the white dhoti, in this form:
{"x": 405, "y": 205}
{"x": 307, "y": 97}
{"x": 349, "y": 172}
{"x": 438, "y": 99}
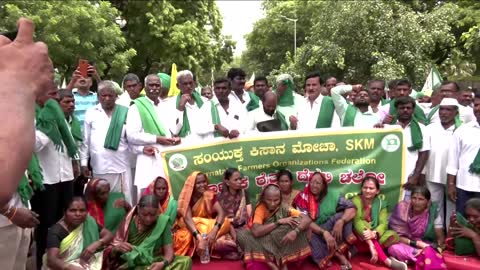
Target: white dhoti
{"x": 119, "y": 182}
{"x": 148, "y": 168}
{"x": 14, "y": 245}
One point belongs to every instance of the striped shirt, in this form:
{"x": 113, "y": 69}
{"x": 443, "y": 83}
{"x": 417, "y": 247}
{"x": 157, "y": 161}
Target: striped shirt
{"x": 82, "y": 104}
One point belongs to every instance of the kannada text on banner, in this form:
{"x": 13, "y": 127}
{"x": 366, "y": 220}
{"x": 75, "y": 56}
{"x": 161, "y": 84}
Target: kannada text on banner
{"x": 345, "y": 157}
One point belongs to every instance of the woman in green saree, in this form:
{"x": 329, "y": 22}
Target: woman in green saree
{"x": 107, "y": 208}
{"x": 161, "y": 189}
{"x": 73, "y": 242}
{"x": 144, "y": 241}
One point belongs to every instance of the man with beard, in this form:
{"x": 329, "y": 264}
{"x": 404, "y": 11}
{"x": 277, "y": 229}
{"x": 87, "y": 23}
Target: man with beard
{"x": 267, "y": 118}
{"x": 435, "y": 173}
{"x": 231, "y": 117}
{"x": 359, "y": 114}
{"x": 149, "y": 132}
{"x": 376, "y": 90}
{"x": 463, "y": 170}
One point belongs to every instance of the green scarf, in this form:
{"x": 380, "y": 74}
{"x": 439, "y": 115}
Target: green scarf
{"x": 186, "y": 124}
{"x": 215, "y": 118}
{"x": 283, "y": 121}
{"x": 350, "y": 114}
{"x": 384, "y": 101}
{"x": 328, "y": 207}
{"x": 150, "y": 121}
{"x": 90, "y": 232}
{"x": 475, "y": 166}
{"x": 430, "y": 115}
{"x": 114, "y": 133}
{"x": 254, "y": 102}
{"x": 51, "y": 121}
{"x": 377, "y": 206}
{"x": 429, "y": 234}
{"x": 417, "y": 136}
{"x": 143, "y": 253}
{"x": 34, "y": 171}
{"x": 75, "y": 129}
{"x": 325, "y": 115}
{"x": 286, "y": 99}
{"x": 463, "y": 245}
{"x": 112, "y": 215}
{"x": 418, "y": 113}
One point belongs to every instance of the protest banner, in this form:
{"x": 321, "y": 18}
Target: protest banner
{"x": 345, "y": 156}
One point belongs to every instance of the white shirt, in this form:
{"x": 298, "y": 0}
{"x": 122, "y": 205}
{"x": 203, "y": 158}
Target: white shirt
{"x": 465, "y": 113}
{"x": 235, "y": 118}
{"x": 464, "y": 149}
{"x": 124, "y": 99}
{"x": 234, "y": 99}
{"x": 103, "y": 160}
{"x": 412, "y": 156}
{"x": 362, "y": 119}
{"x": 435, "y": 168}
{"x": 256, "y": 116}
{"x": 56, "y": 164}
{"x": 308, "y": 114}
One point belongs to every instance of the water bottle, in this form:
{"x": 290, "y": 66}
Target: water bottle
{"x": 205, "y": 258}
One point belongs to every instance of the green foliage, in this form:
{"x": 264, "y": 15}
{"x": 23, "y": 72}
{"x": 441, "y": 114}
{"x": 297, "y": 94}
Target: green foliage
{"x": 359, "y": 40}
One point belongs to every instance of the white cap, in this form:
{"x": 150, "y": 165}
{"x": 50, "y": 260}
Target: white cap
{"x": 449, "y": 102}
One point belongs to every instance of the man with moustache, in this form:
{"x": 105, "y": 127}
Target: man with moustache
{"x": 237, "y": 82}
{"x": 267, "y": 118}
{"x": 132, "y": 86}
{"x": 435, "y": 173}
{"x": 376, "y": 90}
{"x": 316, "y": 111}
{"x": 463, "y": 169}
{"x": 260, "y": 86}
{"x": 149, "y": 125}
{"x": 330, "y": 82}
{"x": 465, "y": 97}
{"x": 359, "y": 114}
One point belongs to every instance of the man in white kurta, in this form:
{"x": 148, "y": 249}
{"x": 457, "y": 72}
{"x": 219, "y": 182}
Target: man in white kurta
{"x": 435, "y": 169}
{"x": 108, "y": 164}
{"x": 267, "y": 112}
{"x": 148, "y": 146}
{"x": 246, "y": 99}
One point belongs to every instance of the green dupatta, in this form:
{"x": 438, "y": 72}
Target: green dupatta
{"x": 112, "y": 215}
{"x": 143, "y": 254}
{"x": 287, "y": 98}
{"x": 430, "y": 115}
{"x": 325, "y": 116}
{"x": 150, "y": 121}
{"x": 254, "y": 102}
{"x": 350, "y": 114}
{"x": 429, "y": 234}
{"x": 463, "y": 245}
{"x": 328, "y": 207}
{"x": 79, "y": 239}
{"x": 283, "y": 122}
{"x": 215, "y": 118}
{"x": 185, "y": 130}
{"x": 377, "y": 206}
{"x": 76, "y": 129}
{"x": 114, "y": 133}
{"x": 51, "y": 121}
{"x": 34, "y": 172}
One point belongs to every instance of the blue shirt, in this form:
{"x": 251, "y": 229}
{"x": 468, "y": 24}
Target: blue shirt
{"x": 82, "y": 104}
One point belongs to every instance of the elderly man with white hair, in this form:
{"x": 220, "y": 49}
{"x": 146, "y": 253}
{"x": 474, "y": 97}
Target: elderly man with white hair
{"x": 288, "y": 100}
{"x": 435, "y": 169}
{"x": 105, "y": 141}
{"x": 150, "y": 126}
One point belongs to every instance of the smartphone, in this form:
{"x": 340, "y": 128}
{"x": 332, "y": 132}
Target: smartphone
{"x": 83, "y": 67}
{"x": 10, "y": 35}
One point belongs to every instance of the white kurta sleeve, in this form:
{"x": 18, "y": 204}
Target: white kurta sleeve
{"x": 134, "y": 128}
{"x": 454, "y": 154}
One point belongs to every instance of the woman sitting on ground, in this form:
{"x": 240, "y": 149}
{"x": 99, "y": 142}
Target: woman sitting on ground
{"x": 463, "y": 243}
{"x": 107, "y": 208}
{"x": 278, "y": 235}
{"x": 371, "y": 224}
{"x": 199, "y": 213}
{"x": 76, "y": 241}
{"x": 332, "y": 226}
{"x": 168, "y": 205}
{"x": 285, "y": 182}
{"x": 144, "y": 241}
{"x": 420, "y": 228}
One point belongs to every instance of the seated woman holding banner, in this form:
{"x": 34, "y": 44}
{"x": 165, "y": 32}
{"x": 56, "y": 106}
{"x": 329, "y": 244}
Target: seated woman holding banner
{"x": 277, "y": 238}
{"x": 76, "y": 241}
{"x": 332, "y": 226}
{"x": 168, "y": 205}
{"x": 420, "y": 228}
{"x": 144, "y": 241}
{"x": 371, "y": 224}
{"x": 107, "y": 208}
{"x": 463, "y": 243}
{"x": 199, "y": 213}
{"x": 285, "y": 182}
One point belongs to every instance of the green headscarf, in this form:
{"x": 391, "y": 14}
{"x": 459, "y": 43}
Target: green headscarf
{"x": 165, "y": 78}
{"x": 286, "y": 99}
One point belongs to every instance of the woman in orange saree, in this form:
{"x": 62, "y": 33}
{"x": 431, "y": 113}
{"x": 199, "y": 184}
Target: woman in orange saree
{"x": 199, "y": 213}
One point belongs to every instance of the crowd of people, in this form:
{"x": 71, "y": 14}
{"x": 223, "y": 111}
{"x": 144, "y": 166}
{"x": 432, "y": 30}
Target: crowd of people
{"x": 96, "y": 195}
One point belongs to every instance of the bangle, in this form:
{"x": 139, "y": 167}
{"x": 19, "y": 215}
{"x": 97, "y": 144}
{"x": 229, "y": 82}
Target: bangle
{"x": 13, "y": 215}
{"x": 165, "y": 263}
{"x": 413, "y": 243}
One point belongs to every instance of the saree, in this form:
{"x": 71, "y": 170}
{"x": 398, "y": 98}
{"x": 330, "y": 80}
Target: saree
{"x": 268, "y": 248}
{"x": 146, "y": 246}
{"x": 72, "y": 246}
{"x": 168, "y": 206}
{"x": 419, "y": 227}
{"x": 202, "y": 215}
{"x": 288, "y": 202}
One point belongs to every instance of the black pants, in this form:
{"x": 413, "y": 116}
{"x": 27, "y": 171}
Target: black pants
{"x": 49, "y": 204}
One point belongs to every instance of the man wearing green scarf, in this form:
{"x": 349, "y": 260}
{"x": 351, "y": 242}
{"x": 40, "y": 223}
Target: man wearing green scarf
{"x": 316, "y": 111}
{"x": 288, "y": 99}
{"x": 105, "y": 142}
{"x": 267, "y": 118}
{"x": 149, "y": 130}
{"x": 248, "y": 100}
{"x": 463, "y": 169}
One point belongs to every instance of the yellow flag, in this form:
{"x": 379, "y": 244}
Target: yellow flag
{"x": 174, "y": 91}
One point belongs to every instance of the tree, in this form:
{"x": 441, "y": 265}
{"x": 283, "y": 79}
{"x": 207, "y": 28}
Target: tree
{"x": 73, "y": 30}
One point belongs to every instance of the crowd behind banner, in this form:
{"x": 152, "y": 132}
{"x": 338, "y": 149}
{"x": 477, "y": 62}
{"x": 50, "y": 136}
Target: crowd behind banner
{"x": 123, "y": 178}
